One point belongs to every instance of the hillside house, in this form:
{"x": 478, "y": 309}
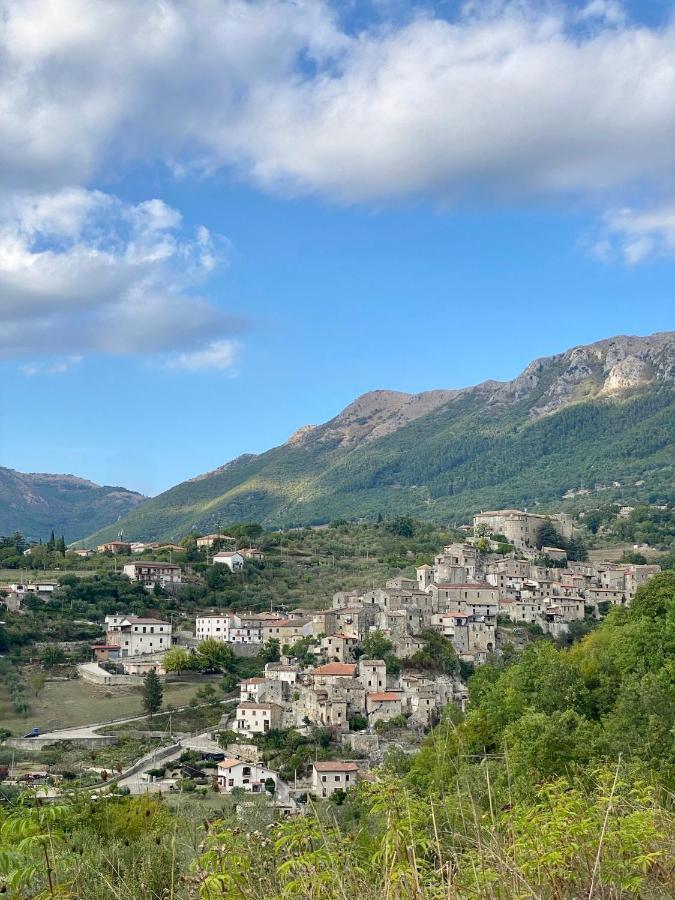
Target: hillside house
{"x": 152, "y": 573}
{"x": 381, "y": 706}
{"x": 206, "y": 541}
{"x": 114, "y": 547}
{"x": 135, "y": 635}
{"x": 237, "y": 773}
{"x": 230, "y": 558}
{"x": 333, "y": 775}
{"x": 338, "y": 647}
{"x": 259, "y": 717}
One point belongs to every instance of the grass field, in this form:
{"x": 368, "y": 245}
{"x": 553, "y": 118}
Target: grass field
{"x": 67, "y": 703}
{"x": 22, "y": 576}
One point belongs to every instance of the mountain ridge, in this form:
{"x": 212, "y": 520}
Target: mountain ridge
{"x": 442, "y": 454}
{"x": 35, "y": 503}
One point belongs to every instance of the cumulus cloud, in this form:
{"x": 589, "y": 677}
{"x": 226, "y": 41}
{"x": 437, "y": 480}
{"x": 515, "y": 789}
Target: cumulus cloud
{"x": 507, "y": 100}
{"x": 217, "y": 355}
{"x": 635, "y": 235}
{"x": 82, "y": 272}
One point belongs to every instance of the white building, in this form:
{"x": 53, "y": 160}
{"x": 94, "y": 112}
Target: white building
{"x": 333, "y": 775}
{"x": 214, "y": 625}
{"x": 37, "y": 587}
{"x": 135, "y": 636}
{"x": 237, "y": 773}
{"x": 230, "y": 558}
{"x": 151, "y": 573}
{"x": 257, "y": 717}
{"x": 231, "y": 628}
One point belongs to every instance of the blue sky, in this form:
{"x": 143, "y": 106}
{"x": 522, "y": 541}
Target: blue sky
{"x": 242, "y": 219}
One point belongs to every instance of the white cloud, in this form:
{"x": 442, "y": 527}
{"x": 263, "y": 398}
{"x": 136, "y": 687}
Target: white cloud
{"x": 509, "y": 100}
{"x": 55, "y": 367}
{"x": 635, "y": 235}
{"x": 82, "y": 272}
{"x": 218, "y": 355}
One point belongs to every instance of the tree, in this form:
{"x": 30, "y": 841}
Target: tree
{"x": 270, "y": 651}
{"x": 655, "y": 599}
{"x": 548, "y": 536}
{"x": 178, "y": 660}
{"x": 437, "y": 654}
{"x": 214, "y": 656}
{"x": 403, "y": 526}
{"x": 152, "y": 693}
{"x": 52, "y": 656}
{"x": 376, "y": 645}
{"x": 218, "y": 576}
{"x": 37, "y": 682}
{"x": 576, "y": 550}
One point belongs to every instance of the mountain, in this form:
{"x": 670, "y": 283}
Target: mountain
{"x": 34, "y": 504}
{"x": 596, "y": 421}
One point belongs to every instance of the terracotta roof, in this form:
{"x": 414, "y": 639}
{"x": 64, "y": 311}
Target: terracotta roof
{"x": 223, "y": 553}
{"x": 230, "y": 763}
{"x": 336, "y": 766}
{"x": 383, "y": 696}
{"x": 347, "y": 669}
{"x": 253, "y": 681}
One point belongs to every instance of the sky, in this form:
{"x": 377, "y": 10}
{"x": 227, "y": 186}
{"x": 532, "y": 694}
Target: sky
{"x": 221, "y": 220}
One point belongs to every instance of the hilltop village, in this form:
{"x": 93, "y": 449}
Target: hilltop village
{"x": 375, "y": 669}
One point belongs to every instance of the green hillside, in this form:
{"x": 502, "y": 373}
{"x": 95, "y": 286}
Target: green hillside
{"x": 37, "y": 504}
{"x": 441, "y": 467}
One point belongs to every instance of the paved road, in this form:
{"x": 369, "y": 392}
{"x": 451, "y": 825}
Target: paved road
{"x": 85, "y": 731}
{"x": 138, "y": 784}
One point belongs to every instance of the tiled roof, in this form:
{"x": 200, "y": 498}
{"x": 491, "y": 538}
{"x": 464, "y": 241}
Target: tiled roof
{"x": 383, "y": 697}
{"x": 347, "y": 669}
{"x": 229, "y": 763}
{"x": 336, "y": 766}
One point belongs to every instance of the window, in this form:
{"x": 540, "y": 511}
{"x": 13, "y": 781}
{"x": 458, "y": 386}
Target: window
{"x": 337, "y": 777}
{"x": 323, "y": 777}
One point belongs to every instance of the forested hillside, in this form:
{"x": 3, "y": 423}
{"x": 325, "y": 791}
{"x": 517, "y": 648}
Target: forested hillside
{"x": 443, "y": 467}
{"x": 37, "y": 504}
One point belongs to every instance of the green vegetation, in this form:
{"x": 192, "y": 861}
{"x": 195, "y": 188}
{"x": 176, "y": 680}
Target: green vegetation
{"x": 444, "y": 467}
{"x": 152, "y": 693}
{"x": 556, "y": 785}
{"x": 36, "y": 504}
{"x": 302, "y": 567}
{"x": 63, "y": 704}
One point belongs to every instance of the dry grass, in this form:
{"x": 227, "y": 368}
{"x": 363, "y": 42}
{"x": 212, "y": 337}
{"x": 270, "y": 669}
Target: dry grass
{"x": 66, "y": 704}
